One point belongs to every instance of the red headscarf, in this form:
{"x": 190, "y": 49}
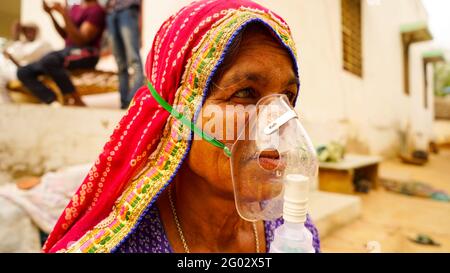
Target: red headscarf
{"x": 141, "y": 130}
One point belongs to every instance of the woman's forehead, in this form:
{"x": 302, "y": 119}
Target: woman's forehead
{"x": 263, "y": 46}
{"x": 259, "y": 75}
{"x": 258, "y": 60}
{"x": 254, "y": 53}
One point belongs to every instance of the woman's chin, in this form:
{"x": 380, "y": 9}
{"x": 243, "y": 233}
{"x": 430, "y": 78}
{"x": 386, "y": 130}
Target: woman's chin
{"x": 259, "y": 193}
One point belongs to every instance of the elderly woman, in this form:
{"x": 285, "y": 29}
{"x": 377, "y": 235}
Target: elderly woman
{"x": 154, "y": 190}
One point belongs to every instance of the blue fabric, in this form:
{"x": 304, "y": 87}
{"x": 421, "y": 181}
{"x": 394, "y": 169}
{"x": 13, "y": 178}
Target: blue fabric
{"x": 125, "y": 39}
{"x": 150, "y": 236}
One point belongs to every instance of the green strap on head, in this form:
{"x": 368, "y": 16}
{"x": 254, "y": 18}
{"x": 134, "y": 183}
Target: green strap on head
{"x": 187, "y": 122}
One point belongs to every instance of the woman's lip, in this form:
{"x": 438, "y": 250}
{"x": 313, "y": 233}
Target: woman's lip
{"x": 268, "y": 163}
{"x": 269, "y": 154}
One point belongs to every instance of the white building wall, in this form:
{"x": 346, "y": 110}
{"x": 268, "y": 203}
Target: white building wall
{"x": 35, "y": 139}
{"x": 421, "y": 118}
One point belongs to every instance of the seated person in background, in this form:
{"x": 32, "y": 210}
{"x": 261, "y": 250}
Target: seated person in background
{"x": 24, "y": 48}
{"x": 84, "y": 25}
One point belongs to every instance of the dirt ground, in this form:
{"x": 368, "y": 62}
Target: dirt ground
{"x": 392, "y": 218}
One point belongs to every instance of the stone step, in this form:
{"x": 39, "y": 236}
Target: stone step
{"x": 330, "y": 211}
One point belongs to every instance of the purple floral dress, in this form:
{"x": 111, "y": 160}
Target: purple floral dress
{"x": 149, "y": 235}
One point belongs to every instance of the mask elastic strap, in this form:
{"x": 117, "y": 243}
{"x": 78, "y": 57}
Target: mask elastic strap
{"x": 187, "y": 122}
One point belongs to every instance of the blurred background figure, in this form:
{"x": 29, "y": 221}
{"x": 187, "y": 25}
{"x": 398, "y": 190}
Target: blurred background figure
{"x": 31, "y": 206}
{"x": 24, "y": 48}
{"x": 123, "y": 27}
{"x": 84, "y": 25}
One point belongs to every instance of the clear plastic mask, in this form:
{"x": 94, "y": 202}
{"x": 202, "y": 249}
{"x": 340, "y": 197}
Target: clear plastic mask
{"x": 273, "y": 145}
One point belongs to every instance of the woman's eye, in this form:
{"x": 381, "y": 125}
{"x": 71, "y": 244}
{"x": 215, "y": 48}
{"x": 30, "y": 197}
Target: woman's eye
{"x": 244, "y": 93}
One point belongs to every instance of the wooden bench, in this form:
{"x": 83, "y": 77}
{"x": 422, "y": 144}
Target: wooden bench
{"x": 342, "y": 176}
{"x": 87, "y": 82}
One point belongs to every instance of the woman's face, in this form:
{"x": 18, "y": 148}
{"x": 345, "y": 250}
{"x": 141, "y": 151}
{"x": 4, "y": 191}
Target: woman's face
{"x": 260, "y": 67}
